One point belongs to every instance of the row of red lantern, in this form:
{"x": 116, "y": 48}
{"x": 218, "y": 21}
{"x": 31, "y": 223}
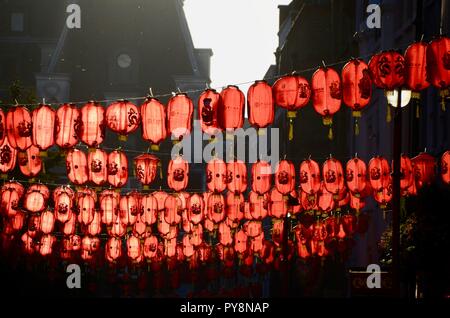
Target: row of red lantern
{"x": 421, "y": 65}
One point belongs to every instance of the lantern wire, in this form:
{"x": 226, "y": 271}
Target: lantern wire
{"x": 142, "y": 98}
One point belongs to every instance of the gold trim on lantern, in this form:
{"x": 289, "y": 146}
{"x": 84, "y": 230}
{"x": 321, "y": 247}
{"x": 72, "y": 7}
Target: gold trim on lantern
{"x": 154, "y": 147}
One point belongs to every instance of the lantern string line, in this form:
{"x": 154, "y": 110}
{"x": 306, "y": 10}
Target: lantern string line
{"x": 139, "y": 98}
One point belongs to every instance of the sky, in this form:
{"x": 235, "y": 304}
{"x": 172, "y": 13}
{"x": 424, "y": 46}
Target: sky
{"x": 241, "y": 33}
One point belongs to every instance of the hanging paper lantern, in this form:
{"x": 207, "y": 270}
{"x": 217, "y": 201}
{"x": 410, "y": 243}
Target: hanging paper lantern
{"x": 19, "y": 127}
{"x": 236, "y": 176}
{"x": 95, "y": 227}
{"x": 70, "y": 225}
{"x": 7, "y": 157}
{"x": 424, "y": 169}
{"x": 379, "y": 173}
{"x": 35, "y": 199}
{"x": 215, "y": 207}
{"x": 2, "y": 126}
{"x": 240, "y": 242}
{"x": 225, "y": 235}
{"x": 261, "y": 177}
{"x": 63, "y": 206}
{"x": 356, "y": 87}
{"x": 416, "y": 67}
{"x": 86, "y": 207}
{"x": 122, "y": 117}
{"x": 109, "y": 206}
{"x": 188, "y": 248}
{"x": 445, "y": 167}
{"x": 383, "y": 196}
{"x": 327, "y": 94}
{"x": 145, "y": 167}
{"x": 17, "y": 221}
{"x": 309, "y": 176}
{"x": 438, "y": 62}
{"x": 149, "y": 206}
{"x": 68, "y": 126}
{"x": 209, "y": 104}
{"x": 388, "y": 70}
{"x": 178, "y": 174}
{"x": 260, "y": 104}
{"x": 86, "y": 191}
{"x": 9, "y": 204}
{"x": 179, "y": 116}
{"x": 153, "y": 122}
{"x": 406, "y": 172}
{"x": 333, "y": 175}
{"x": 150, "y": 247}
{"x": 285, "y": 177}
{"x": 43, "y": 119}
{"x": 216, "y": 175}
{"x": 15, "y": 186}
{"x": 291, "y": 92}
{"x": 46, "y": 244}
{"x": 113, "y": 249}
{"x": 325, "y": 199}
{"x": 196, "y": 207}
{"x": 133, "y": 247}
{"x": 309, "y": 201}
{"x": 130, "y": 208}
{"x": 77, "y": 168}
{"x": 259, "y": 205}
{"x": 30, "y": 162}
{"x": 117, "y": 169}
{"x": 356, "y": 175}
{"x": 278, "y": 207}
{"x": 47, "y": 222}
{"x": 97, "y": 162}
{"x": 172, "y": 207}
{"x": 118, "y": 228}
{"x": 235, "y": 206}
{"x": 231, "y": 112}
{"x": 92, "y": 131}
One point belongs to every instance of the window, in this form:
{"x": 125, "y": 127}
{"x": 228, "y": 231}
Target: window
{"x": 17, "y": 22}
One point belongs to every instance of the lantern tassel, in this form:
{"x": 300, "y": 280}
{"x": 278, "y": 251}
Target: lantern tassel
{"x": 291, "y": 129}
{"x": 356, "y": 127}
{"x": 388, "y": 114}
{"x": 417, "y": 109}
{"x": 160, "y": 171}
{"x": 330, "y": 133}
{"x": 43, "y": 167}
{"x": 443, "y": 104}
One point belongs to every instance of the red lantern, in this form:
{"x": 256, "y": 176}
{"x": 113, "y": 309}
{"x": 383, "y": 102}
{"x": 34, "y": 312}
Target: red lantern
{"x": 179, "y": 116}
{"x": 117, "y": 169}
{"x": 424, "y": 169}
{"x": 30, "y": 162}
{"x": 416, "y": 67}
{"x": 209, "y": 104}
{"x": 178, "y": 174}
{"x": 388, "y": 70}
{"x": 261, "y": 177}
{"x": 19, "y": 127}
{"x": 278, "y": 204}
{"x": 47, "y": 222}
{"x": 216, "y": 175}
{"x": 68, "y": 125}
{"x": 309, "y": 176}
{"x": 118, "y": 228}
{"x": 2, "y": 126}
{"x": 235, "y": 206}
{"x": 215, "y": 206}
{"x": 356, "y": 87}
{"x": 309, "y": 201}
{"x": 325, "y": 199}
{"x": 438, "y": 62}
{"x": 172, "y": 207}
{"x": 379, "y": 173}
{"x": 15, "y": 186}
{"x": 356, "y": 175}
{"x": 113, "y": 249}
{"x": 259, "y": 205}
{"x": 35, "y": 199}
{"x": 291, "y": 92}
{"x": 327, "y": 94}
{"x": 92, "y": 131}
{"x": 86, "y": 207}
{"x": 445, "y": 167}
{"x": 63, "y": 206}
{"x": 149, "y": 205}
{"x": 70, "y": 225}
{"x": 7, "y": 157}
{"x": 236, "y": 176}
{"x": 196, "y": 207}
{"x": 240, "y": 242}
{"x": 260, "y": 104}
{"x": 225, "y": 235}
{"x": 231, "y": 113}
{"x": 383, "y": 196}
{"x": 122, "y": 117}
{"x": 9, "y": 202}
{"x": 333, "y": 175}
{"x": 130, "y": 208}
{"x": 97, "y": 161}
{"x": 153, "y": 122}
{"x": 285, "y": 177}
{"x": 77, "y": 168}
{"x": 95, "y": 227}
{"x": 43, "y": 119}
{"x": 150, "y": 247}
{"x": 145, "y": 167}
{"x": 406, "y": 173}
{"x": 109, "y": 206}
{"x": 133, "y": 247}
